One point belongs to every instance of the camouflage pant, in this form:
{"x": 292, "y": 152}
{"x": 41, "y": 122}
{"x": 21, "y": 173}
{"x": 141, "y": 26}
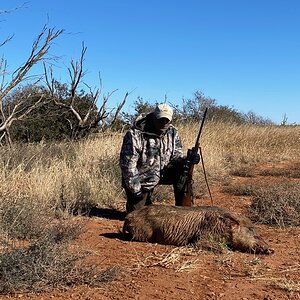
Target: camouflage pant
{"x": 169, "y": 176}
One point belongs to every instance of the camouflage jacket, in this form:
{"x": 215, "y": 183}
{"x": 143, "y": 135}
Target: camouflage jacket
{"x": 144, "y": 155}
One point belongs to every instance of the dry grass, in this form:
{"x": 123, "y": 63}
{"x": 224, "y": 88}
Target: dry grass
{"x": 277, "y": 204}
{"x": 240, "y": 189}
{"x": 287, "y": 285}
{"x": 291, "y": 172}
{"x": 60, "y": 178}
{"x": 49, "y": 262}
{"x": 231, "y": 266}
{"x": 86, "y": 173}
{"x": 243, "y": 170}
{"x": 180, "y": 259}
{"x": 272, "y": 204}
{"x": 41, "y": 184}
{"x": 87, "y": 176}
{"x": 231, "y": 149}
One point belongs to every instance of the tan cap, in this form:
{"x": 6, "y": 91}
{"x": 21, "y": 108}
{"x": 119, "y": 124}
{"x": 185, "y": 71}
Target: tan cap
{"x": 163, "y": 111}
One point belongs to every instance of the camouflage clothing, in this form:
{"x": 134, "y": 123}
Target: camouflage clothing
{"x": 144, "y": 155}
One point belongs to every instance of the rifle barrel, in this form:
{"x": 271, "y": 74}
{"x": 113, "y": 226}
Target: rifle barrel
{"x": 200, "y": 130}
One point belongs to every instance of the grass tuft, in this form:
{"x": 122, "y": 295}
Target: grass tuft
{"x": 287, "y": 285}
{"x": 292, "y": 172}
{"x": 277, "y": 204}
{"x": 49, "y": 262}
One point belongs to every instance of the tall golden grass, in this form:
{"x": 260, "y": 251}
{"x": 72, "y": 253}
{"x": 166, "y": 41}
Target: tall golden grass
{"x": 87, "y": 172}
{"x": 227, "y": 147}
{"x": 41, "y": 185}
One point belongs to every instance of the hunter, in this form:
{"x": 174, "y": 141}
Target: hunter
{"x": 151, "y": 155}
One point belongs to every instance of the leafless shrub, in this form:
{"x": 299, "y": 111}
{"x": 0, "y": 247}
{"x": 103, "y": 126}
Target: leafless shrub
{"x": 275, "y": 172}
{"x": 242, "y": 171}
{"x": 295, "y": 171}
{"x": 240, "y": 189}
{"x": 22, "y": 217}
{"x": 49, "y": 262}
{"x": 76, "y": 198}
{"x": 292, "y": 172}
{"x": 272, "y": 204}
{"x": 277, "y": 204}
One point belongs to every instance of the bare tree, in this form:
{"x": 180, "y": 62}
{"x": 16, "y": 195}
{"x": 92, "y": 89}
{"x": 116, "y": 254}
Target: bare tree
{"x": 284, "y": 120}
{"x": 8, "y": 11}
{"x": 40, "y": 48}
{"x": 88, "y": 120}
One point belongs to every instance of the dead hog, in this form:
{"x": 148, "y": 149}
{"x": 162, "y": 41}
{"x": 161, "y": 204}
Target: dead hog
{"x": 174, "y": 225}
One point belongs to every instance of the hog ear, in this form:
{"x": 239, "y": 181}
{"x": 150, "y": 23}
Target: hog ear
{"x": 233, "y": 223}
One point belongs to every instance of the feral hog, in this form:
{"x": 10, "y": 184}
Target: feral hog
{"x": 174, "y": 225}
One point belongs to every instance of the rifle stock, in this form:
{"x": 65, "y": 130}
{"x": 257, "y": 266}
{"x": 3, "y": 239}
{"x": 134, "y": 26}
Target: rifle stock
{"x": 187, "y": 199}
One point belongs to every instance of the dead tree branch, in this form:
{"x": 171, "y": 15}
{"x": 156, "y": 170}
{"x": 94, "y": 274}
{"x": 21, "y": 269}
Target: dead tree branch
{"x": 93, "y": 116}
{"x": 40, "y": 48}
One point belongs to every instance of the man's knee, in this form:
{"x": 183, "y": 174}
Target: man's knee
{"x": 133, "y": 203}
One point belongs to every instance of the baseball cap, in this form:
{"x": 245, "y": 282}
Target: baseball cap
{"x": 163, "y": 110}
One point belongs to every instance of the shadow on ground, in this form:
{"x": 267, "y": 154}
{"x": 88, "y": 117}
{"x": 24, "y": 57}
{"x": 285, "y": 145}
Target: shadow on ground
{"x": 116, "y": 235}
{"x": 107, "y": 213}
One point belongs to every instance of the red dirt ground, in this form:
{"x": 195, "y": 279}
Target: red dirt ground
{"x": 153, "y": 271}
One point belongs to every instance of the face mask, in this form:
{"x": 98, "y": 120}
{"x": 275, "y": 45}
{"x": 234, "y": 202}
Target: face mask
{"x": 161, "y": 125}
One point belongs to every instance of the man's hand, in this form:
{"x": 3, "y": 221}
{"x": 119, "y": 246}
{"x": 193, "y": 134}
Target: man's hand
{"x": 194, "y": 158}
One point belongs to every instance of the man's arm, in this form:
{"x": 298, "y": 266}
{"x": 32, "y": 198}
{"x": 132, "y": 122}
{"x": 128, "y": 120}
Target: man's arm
{"x": 177, "y": 146}
{"x": 129, "y": 157}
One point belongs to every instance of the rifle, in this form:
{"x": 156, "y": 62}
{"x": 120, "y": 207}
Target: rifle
{"x": 185, "y": 182}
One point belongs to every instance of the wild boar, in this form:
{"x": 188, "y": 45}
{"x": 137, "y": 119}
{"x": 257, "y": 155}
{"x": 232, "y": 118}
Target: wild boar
{"x": 177, "y": 225}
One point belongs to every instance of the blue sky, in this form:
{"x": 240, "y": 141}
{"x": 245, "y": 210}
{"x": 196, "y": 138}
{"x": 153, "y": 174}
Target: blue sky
{"x": 245, "y": 54}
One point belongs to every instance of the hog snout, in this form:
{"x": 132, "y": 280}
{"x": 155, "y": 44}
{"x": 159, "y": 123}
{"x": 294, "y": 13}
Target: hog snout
{"x": 261, "y": 247}
{"x": 245, "y": 237}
